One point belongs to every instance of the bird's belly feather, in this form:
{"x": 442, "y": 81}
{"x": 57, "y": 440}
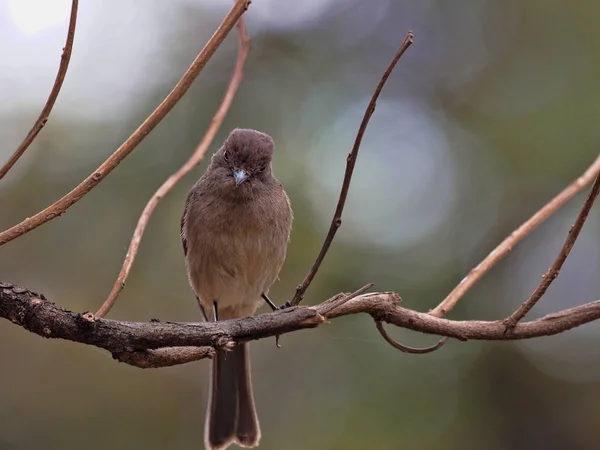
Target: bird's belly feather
{"x": 234, "y": 265}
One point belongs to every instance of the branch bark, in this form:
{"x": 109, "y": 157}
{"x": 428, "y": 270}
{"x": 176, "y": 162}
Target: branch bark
{"x": 159, "y": 344}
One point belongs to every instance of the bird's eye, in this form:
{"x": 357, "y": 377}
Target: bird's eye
{"x": 226, "y": 156}
{"x": 262, "y": 169}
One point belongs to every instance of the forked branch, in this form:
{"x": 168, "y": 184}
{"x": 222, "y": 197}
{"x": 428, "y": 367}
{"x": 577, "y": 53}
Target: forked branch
{"x": 514, "y": 238}
{"x": 553, "y": 272}
{"x": 159, "y": 344}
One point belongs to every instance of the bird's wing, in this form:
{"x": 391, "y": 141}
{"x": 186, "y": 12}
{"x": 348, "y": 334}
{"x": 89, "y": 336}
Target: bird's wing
{"x": 183, "y": 238}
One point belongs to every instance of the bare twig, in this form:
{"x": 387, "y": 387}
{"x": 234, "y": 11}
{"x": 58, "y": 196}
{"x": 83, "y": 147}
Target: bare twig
{"x": 329, "y": 305}
{"x": 244, "y": 47}
{"x": 515, "y": 237}
{"x": 406, "y": 348}
{"x": 60, "y": 77}
{"x": 60, "y": 206}
{"x": 552, "y": 273}
{"x": 127, "y": 341}
{"x": 336, "y": 222}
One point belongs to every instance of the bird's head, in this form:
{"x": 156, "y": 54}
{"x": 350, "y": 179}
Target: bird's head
{"x": 245, "y": 157}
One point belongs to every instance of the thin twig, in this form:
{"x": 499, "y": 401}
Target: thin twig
{"x": 244, "y": 47}
{"x": 336, "y": 222}
{"x": 328, "y": 306}
{"x": 513, "y": 239}
{"x": 58, "y": 82}
{"x": 406, "y": 348}
{"x": 553, "y": 272}
{"x": 60, "y": 206}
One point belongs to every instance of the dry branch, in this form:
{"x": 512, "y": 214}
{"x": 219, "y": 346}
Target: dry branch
{"x": 158, "y": 344}
{"x": 60, "y": 206}
{"x": 514, "y": 238}
{"x": 244, "y": 46}
{"x": 137, "y": 343}
{"x": 553, "y": 272}
{"x": 47, "y": 109}
{"x": 336, "y": 222}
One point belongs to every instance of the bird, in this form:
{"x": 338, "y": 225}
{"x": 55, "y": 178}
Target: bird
{"x": 235, "y": 230}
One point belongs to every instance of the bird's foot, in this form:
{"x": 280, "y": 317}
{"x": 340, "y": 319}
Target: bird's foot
{"x": 274, "y": 307}
{"x": 286, "y": 305}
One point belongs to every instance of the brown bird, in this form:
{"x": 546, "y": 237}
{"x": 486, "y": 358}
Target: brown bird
{"x": 235, "y": 230}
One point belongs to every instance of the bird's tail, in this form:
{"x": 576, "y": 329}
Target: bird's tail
{"x": 231, "y": 415}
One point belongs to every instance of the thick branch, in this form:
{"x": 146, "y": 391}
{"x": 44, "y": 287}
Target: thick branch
{"x": 60, "y": 206}
{"x": 128, "y": 341}
{"x": 47, "y": 109}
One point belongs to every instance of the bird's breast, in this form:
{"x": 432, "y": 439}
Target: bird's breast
{"x": 235, "y": 253}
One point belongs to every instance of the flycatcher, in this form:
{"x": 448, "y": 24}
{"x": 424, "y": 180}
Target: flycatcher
{"x": 235, "y": 231}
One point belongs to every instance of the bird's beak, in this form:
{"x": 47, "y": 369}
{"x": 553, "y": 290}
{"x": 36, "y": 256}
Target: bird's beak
{"x": 240, "y": 176}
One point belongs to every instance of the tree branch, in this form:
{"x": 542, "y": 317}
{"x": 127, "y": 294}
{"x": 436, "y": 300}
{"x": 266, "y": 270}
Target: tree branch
{"x": 553, "y": 272}
{"x": 336, "y": 222}
{"x": 60, "y": 206}
{"x": 137, "y": 343}
{"x": 244, "y": 47}
{"x": 47, "y": 109}
{"x": 513, "y": 239}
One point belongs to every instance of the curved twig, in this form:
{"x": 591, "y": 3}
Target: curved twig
{"x": 406, "y": 348}
{"x": 515, "y": 237}
{"x": 47, "y": 109}
{"x": 244, "y": 47}
{"x": 60, "y": 206}
{"x": 336, "y": 222}
{"x": 553, "y": 272}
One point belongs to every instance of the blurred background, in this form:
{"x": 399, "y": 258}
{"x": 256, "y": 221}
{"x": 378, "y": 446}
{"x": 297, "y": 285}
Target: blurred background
{"x": 490, "y": 114}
